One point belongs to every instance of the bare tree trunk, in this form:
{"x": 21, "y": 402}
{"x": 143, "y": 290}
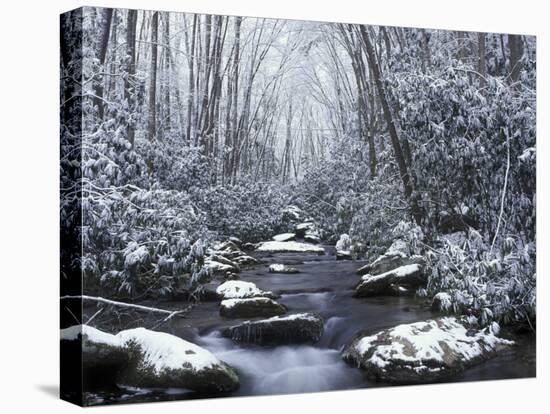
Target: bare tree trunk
{"x": 167, "y": 72}
{"x": 235, "y": 99}
{"x": 114, "y": 44}
{"x": 482, "y": 62}
{"x": 515, "y": 44}
{"x": 461, "y": 48}
{"x": 152, "y": 119}
{"x": 102, "y": 53}
{"x": 398, "y": 152}
{"x": 191, "y": 95}
{"x": 426, "y": 55}
{"x": 131, "y": 69}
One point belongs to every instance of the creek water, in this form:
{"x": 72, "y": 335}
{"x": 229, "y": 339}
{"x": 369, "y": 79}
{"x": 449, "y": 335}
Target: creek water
{"x": 323, "y": 286}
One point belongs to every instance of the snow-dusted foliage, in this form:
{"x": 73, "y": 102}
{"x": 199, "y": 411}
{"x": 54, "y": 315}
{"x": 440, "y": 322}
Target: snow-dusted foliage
{"x": 493, "y": 284}
{"x": 253, "y": 131}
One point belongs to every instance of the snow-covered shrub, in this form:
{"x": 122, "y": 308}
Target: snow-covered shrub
{"x": 344, "y": 243}
{"x": 329, "y": 189}
{"x": 493, "y": 284}
{"x": 249, "y": 211}
{"x": 467, "y": 139}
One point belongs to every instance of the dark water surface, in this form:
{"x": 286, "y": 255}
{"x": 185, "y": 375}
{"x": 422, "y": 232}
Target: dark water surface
{"x": 323, "y": 286}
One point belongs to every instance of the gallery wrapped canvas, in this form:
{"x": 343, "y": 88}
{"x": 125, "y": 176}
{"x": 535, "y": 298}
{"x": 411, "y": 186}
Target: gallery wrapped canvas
{"x": 255, "y": 206}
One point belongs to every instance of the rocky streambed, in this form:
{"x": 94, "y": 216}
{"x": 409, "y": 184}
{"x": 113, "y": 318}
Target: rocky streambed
{"x": 320, "y": 327}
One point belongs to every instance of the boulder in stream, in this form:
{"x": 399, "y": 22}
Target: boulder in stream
{"x": 425, "y": 351}
{"x": 237, "y": 289}
{"x": 312, "y": 237}
{"x": 103, "y": 357}
{"x": 228, "y": 253}
{"x": 219, "y": 264}
{"x": 144, "y": 358}
{"x": 283, "y": 237}
{"x": 158, "y": 359}
{"x": 278, "y": 330}
{"x": 251, "y": 308}
{"x": 281, "y": 268}
{"x": 302, "y": 228}
{"x": 400, "y": 281}
{"x": 395, "y": 256}
{"x": 289, "y": 247}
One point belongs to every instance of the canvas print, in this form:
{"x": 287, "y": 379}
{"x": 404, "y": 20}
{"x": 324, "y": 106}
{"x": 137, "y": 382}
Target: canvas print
{"x": 255, "y": 206}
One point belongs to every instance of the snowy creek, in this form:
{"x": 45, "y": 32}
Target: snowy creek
{"x": 323, "y": 286}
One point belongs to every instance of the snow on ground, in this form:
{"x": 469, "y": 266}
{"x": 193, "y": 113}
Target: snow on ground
{"x": 289, "y": 247}
{"x": 237, "y": 289}
{"x": 164, "y": 351}
{"x": 431, "y": 340}
{"x": 284, "y": 237}
{"x": 400, "y": 272}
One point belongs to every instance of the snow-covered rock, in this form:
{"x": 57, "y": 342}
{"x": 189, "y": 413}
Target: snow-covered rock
{"x": 278, "y": 330}
{"x": 249, "y": 246}
{"x": 250, "y": 308}
{"x": 424, "y": 351}
{"x": 281, "y": 268}
{"x": 144, "y": 358}
{"x": 230, "y": 254}
{"x": 284, "y": 237}
{"x": 162, "y": 360}
{"x": 289, "y": 247}
{"x": 395, "y": 256}
{"x": 237, "y": 289}
{"x": 441, "y": 302}
{"x": 217, "y": 266}
{"x": 302, "y": 228}
{"x": 399, "y": 281}
{"x": 103, "y": 355}
{"x": 343, "y": 247}
{"x": 235, "y": 240}
{"x": 244, "y": 260}
{"x": 312, "y": 237}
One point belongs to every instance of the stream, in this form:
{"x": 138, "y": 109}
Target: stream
{"x": 323, "y": 286}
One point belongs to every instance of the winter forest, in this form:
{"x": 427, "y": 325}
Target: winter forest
{"x": 260, "y": 206}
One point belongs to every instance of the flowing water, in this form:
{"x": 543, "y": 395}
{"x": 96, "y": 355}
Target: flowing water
{"x": 324, "y": 286}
